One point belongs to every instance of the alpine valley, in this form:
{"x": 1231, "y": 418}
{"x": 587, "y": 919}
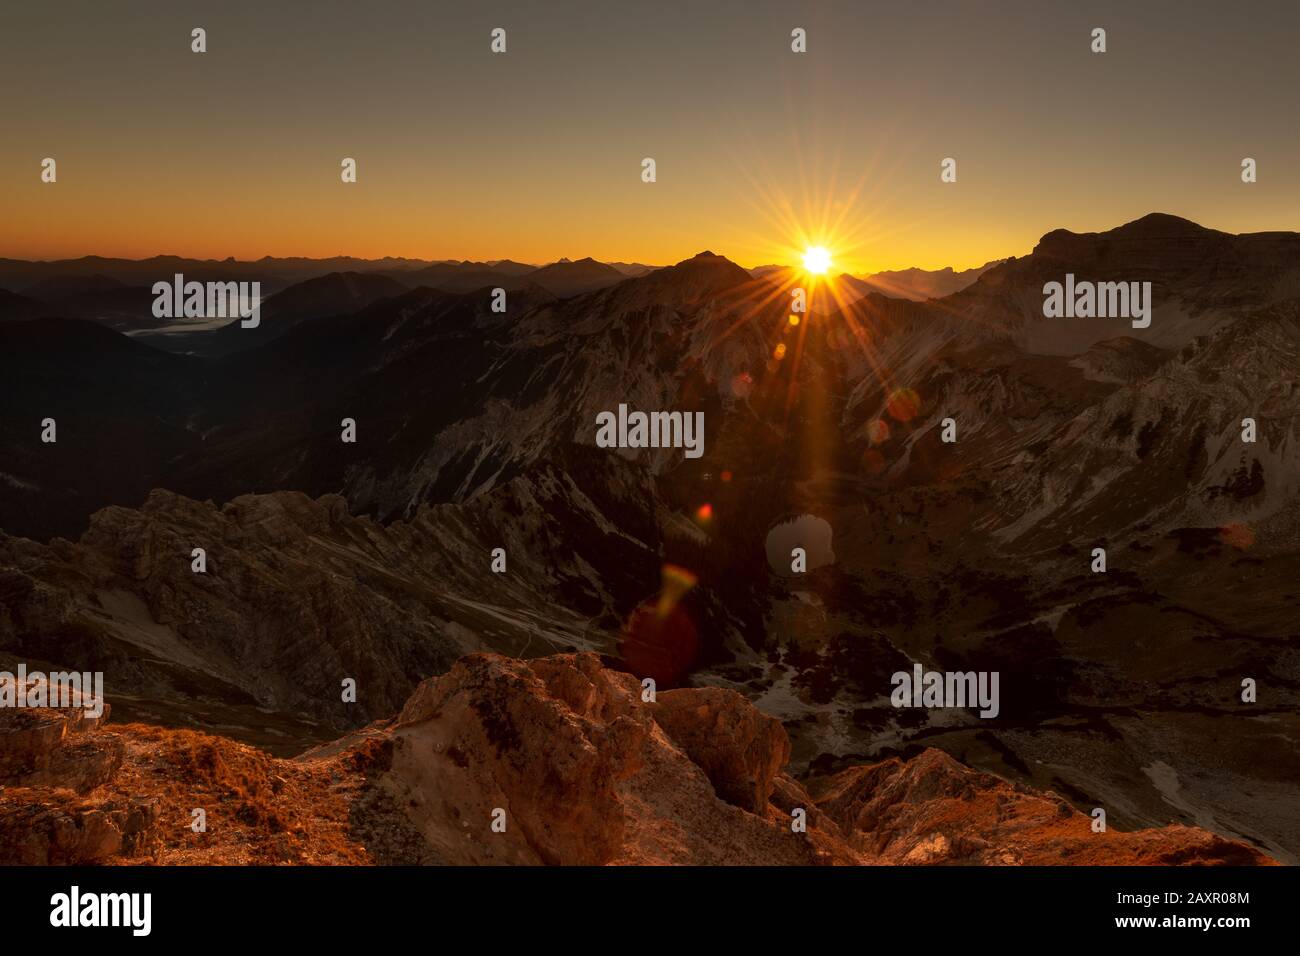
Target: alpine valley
{"x": 476, "y": 432}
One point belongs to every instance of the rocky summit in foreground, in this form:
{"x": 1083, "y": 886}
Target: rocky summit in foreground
{"x": 556, "y": 760}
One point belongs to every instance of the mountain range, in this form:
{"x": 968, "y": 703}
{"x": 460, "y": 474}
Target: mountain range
{"x": 475, "y": 430}
{"x": 118, "y": 292}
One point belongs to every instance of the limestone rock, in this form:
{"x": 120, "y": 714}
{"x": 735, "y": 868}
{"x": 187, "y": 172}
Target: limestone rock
{"x": 738, "y": 747}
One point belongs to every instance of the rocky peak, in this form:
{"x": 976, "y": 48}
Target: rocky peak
{"x": 574, "y": 765}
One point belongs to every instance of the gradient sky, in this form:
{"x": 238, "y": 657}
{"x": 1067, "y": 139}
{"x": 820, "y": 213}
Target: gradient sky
{"x": 536, "y": 154}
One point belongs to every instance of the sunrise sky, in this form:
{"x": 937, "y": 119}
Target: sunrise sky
{"x": 535, "y": 154}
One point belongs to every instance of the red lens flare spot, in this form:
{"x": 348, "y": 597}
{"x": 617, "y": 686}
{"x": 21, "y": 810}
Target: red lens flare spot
{"x": 903, "y": 405}
{"x": 1239, "y": 536}
{"x": 660, "y": 639}
{"x": 663, "y": 647}
{"x": 704, "y": 514}
{"x": 878, "y": 432}
{"x": 873, "y": 462}
{"x": 725, "y": 476}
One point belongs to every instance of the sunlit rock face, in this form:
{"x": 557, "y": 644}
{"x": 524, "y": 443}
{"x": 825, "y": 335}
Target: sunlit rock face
{"x": 557, "y": 760}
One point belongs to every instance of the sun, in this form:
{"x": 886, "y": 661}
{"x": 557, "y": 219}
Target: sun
{"x": 817, "y": 259}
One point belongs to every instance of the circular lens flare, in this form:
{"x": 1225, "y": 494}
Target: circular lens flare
{"x": 904, "y": 404}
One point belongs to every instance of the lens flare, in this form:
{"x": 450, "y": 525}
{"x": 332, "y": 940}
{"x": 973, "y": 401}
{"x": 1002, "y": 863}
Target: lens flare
{"x": 660, "y": 640}
{"x": 676, "y": 582}
{"x": 817, "y": 259}
{"x": 873, "y": 462}
{"x": 1237, "y": 535}
{"x": 903, "y": 405}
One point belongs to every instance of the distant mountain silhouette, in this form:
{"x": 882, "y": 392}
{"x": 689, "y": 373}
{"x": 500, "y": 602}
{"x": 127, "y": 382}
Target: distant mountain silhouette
{"x": 274, "y": 273}
{"x": 59, "y": 287}
{"x": 338, "y": 293}
{"x": 919, "y": 284}
{"x": 466, "y": 276}
{"x": 632, "y": 268}
{"x": 118, "y": 292}
{"x": 915, "y": 284}
{"x": 567, "y": 278}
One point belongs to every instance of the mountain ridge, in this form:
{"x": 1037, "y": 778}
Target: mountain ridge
{"x": 477, "y": 429}
{"x": 584, "y": 771}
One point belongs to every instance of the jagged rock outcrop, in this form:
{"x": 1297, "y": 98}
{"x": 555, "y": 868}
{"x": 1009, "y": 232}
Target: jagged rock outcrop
{"x": 296, "y": 594}
{"x": 572, "y": 767}
{"x": 933, "y": 810}
{"x": 580, "y": 769}
{"x": 51, "y": 827}
{"x": 51, "y": 759}
{"x": 740, "y": 749}
{"x": 52, "y": 744}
